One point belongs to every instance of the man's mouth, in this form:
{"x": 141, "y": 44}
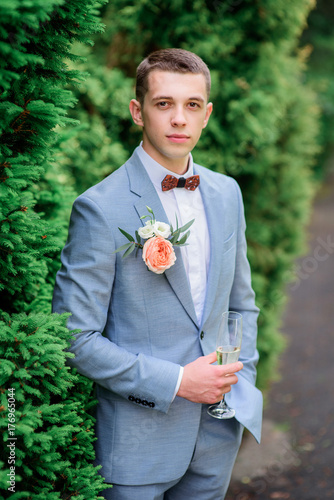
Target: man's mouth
{"x": 179, "y": 138}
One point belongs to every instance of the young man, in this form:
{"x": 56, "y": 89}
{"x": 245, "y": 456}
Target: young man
{"x": 147, "y": 339}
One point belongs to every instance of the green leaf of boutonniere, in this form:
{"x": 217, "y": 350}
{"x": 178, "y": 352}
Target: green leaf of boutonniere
{"x": 127, "y": 235}
{"x": 175, "y": 236}
{"x": 123, "y": 247}
{"x": 138, "y": 237}
{"x": 131, "y": 248}
{"x": 186, "y": 226}
{"x": 183, "y": 240}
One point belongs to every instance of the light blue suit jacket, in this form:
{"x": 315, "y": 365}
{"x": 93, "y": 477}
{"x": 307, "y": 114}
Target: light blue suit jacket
{"x": 138, "y": 327}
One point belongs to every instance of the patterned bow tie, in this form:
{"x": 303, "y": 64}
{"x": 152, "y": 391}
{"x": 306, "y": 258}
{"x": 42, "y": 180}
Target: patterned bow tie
{"x": 171, "y": 182}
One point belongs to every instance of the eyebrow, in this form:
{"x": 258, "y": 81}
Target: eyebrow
{"x": 170, "y": 98}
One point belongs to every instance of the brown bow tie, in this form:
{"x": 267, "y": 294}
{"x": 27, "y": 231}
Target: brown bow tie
{"x": 171, "y": 182}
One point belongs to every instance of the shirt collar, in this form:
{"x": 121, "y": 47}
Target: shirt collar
{"x": 157, "y": 172}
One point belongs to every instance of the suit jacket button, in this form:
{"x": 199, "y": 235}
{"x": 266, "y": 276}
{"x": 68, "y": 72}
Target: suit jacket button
{"x": 144, "y": 403}
{"x": 151, "y": 405}
{"x": 202, "y": 335}
{"x": 131, "y": 398}
{"x": 138, "y": 401}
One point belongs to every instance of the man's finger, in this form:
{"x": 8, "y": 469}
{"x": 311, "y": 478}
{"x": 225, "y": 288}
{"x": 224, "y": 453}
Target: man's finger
{"x": 233, "y": 367}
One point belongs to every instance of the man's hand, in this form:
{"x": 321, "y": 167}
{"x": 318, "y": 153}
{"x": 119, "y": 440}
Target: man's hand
{"x": 203, "y": 382}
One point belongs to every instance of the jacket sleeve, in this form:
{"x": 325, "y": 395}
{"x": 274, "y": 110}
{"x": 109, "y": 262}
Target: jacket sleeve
{"x": 84, "y": 286}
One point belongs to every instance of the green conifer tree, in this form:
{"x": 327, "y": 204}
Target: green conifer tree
{"x": 102, "y": 144}
{"x": 45, "y": 409}
{"x": 262, "y": 132}
{"x": 318, "y": 39}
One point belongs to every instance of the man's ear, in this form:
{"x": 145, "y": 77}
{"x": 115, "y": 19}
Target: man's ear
{"x": 207, "y": 114}
{"x": 135, "y": 110}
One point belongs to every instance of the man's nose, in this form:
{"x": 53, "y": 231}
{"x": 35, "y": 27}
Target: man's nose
{"x": 178, "y": 118}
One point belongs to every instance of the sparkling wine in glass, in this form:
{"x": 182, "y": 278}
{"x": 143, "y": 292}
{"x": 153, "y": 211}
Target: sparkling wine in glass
{"x": 228, "y": 350}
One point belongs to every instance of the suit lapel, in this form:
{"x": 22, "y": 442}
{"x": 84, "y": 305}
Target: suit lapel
{"x": 141, "y": 185}
{"x": 177, "y": 278}
{"x": 215, "y": 214}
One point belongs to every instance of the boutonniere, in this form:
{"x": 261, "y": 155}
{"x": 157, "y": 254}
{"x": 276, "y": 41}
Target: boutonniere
{"x": 158, "y": 252}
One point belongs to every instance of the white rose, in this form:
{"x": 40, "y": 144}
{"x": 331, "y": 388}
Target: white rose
{"x": 162, "y": 229}
{"x": 147, "y": 231}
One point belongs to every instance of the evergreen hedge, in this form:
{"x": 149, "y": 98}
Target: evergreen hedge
{"x": 45, "y": 411}
{"x": 318, "y": 39}
{"x": 263, "y": 130}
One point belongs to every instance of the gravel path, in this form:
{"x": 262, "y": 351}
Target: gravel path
{"x": 296, "y": 459}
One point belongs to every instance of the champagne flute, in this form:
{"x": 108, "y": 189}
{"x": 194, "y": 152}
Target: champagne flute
{"x": 228, "y": 349}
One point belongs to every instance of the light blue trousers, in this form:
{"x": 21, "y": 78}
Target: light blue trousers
{"x": 208, "y": 474}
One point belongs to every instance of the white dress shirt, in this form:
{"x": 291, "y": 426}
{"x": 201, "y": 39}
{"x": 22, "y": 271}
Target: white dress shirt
{"x": 186, "y": 205}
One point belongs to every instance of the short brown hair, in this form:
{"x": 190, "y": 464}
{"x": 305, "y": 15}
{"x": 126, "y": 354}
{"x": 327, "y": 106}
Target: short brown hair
{"x": 173, "y": 60}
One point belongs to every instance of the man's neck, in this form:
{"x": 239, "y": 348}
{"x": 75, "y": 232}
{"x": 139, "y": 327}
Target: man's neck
{"x": 178, "y": 166}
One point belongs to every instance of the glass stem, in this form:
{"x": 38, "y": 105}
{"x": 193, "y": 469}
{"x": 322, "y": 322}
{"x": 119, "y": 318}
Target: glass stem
{"x": 222, "y": 403}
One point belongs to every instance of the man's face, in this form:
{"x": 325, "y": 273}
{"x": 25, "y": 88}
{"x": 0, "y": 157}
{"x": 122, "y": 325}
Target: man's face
{"x": 174, "y": 113}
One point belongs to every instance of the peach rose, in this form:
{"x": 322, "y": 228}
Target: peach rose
{"x": 158, "y": 254}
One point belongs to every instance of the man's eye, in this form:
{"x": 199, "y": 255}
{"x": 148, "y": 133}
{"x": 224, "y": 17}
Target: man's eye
{"x": 193, "y": 105}
{"x": 163, "y": 104}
